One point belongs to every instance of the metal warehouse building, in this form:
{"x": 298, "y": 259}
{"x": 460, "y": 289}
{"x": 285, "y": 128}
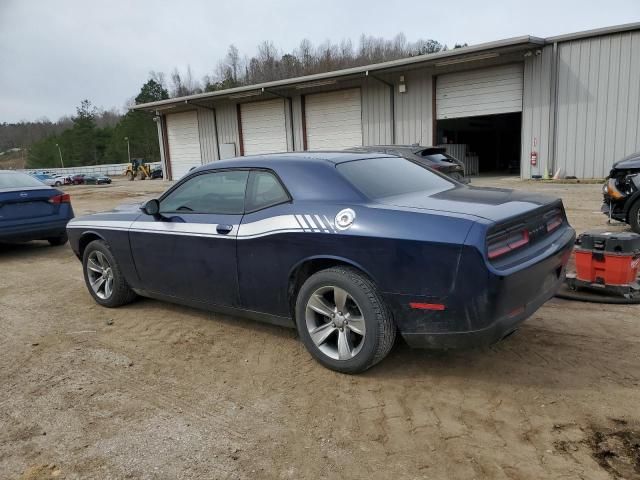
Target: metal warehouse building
{"x": 524, "y": 105}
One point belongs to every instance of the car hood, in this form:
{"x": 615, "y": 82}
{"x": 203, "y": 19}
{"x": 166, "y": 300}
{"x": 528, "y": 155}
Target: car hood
{"x": 632, "y": 161}
{"x": 494, "y": 204}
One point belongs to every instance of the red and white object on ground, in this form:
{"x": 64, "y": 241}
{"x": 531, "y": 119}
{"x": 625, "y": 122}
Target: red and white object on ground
{"x": 607, "y": 261}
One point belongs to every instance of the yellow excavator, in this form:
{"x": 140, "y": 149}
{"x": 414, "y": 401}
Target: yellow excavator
{"x": 138, "y": 166}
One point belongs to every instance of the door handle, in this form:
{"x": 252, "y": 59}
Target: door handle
{"x": 224, "y": 229}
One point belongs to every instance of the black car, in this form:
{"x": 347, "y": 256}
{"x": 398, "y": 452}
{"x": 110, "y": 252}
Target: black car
{"x": 432, "y": 157}
{"x": 156, "y": 173}
{"x": 622, "y": 192}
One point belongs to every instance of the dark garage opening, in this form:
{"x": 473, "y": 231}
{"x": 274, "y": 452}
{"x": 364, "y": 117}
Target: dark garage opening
{"x": 495, "y": 139}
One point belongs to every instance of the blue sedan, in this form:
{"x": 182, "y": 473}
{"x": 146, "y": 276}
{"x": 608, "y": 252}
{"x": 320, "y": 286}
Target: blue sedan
{"x": 349, "y": 248}
{"x": 31, "y": 210}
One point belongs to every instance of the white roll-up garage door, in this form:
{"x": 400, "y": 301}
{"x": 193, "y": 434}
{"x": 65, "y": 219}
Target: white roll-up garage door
{"x": 487, "y": 91}
{"x": 333, "y": 119}
{"x": 263, "y": 127}
{"x": 184, "y": 143}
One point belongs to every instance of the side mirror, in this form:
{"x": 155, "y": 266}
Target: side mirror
{"x": 152, "y": 207}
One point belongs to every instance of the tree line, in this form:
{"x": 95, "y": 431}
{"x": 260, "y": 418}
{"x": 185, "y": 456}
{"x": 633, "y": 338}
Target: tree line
{"x": 90, "y": 140}
{"x": 94, "y": 137}
{"x": 269, "y": 64}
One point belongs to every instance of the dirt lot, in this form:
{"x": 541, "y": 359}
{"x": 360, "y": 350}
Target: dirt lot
{"x": 159, "y": 391}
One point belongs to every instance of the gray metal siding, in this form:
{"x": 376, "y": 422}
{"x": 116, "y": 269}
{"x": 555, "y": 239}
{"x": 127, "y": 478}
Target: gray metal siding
{"x": 207, "y": 130}
{"x": 376, "y": 113}
{"x": 228, "y": 124}
{"x": 537, "y": 113}
{"x": 598, "y": 103}
{"x": 298, "y": 144}
{"x": 413, "y": 109}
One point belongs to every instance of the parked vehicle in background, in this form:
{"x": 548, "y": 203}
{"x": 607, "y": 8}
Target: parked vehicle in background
{"x": 436, "y": 158}
{"x": 31, "y": 210}
{"x": 78, "y": 179}
{"x": 622, "y": 192}
{"x": 46, "y": 179}
{"x": 156, "y": 173}
{"x": 96, "y": 180}
{"x": 349, "y": 248}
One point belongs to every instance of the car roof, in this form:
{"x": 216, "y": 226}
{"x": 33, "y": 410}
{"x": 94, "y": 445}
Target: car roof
{"x": 266, "y": 160}
{"x": 408, "y": 148}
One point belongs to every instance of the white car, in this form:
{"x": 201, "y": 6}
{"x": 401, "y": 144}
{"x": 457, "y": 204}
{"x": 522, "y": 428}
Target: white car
{"x": 56, "y": 181}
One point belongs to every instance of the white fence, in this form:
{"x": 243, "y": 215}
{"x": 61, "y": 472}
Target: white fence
{"x": 108, "y": 169}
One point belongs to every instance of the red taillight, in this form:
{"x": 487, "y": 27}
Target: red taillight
{"x": 553, "y": 223}
{"x": 508, "y": 242}
{"x": 58, "y": 199}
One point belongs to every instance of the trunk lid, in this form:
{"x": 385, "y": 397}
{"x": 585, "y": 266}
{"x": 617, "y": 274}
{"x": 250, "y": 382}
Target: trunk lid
{"x": 493, "y": 204}
{"x": 27, "y": 202}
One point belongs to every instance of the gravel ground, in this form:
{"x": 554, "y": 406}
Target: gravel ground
{"x": 154, "y": 390}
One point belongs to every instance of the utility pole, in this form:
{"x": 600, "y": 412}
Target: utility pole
{"x": 128, "y": 149}
{"x": 60, "y": 152}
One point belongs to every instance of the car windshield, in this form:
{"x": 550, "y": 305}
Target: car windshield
{"x": 18, "y": 180}
{"x": 387, "y": 177}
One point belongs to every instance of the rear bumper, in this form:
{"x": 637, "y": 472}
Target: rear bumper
{"x": 484, "y": 306}
{"x": 495, "y": 332}
{"x": 33, "y": 231}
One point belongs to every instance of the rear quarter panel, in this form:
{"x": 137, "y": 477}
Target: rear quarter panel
{"x": 403, "y": 252}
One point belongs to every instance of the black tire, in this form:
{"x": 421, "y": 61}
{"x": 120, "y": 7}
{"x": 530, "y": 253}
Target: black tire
{"x": 59, "y": 240}
{"x": 380, "y": 331}
{"x": 58, "y": 184}
{"x": 121, "y": 293}
{"x": 634, "y": 216}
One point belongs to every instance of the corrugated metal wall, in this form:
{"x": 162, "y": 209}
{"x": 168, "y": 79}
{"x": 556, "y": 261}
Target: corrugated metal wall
{"x": 298, "y": 144}
{"x": 227, "y": 117}
{"x": 376, "y": 113}
{"x": 207, "y": 130}
{"x": 598, "y": 118}
{"x": 413, "y": 109}
{"x": 537, "y": 114}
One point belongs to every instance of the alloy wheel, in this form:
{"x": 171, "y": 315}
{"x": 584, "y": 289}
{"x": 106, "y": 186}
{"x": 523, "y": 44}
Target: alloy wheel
{"x": 100, "y": 274}
{"x": 335, "y": 322}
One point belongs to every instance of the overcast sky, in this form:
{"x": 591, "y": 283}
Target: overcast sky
{"x": 55, "y": 53}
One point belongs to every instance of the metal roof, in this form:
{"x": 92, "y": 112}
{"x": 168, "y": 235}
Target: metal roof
{"x": 471, "y": 53}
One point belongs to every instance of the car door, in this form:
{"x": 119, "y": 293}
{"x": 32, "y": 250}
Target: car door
{"x": 266, "y": 240}
{"x": 188, "y": 250}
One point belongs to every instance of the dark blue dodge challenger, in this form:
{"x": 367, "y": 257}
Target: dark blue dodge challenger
{"x": 349, "y": 248}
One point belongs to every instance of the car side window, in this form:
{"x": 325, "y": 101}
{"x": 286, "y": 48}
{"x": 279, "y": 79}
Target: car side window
{"x": 264, "y": 190}
{"x": 216, "y": 192}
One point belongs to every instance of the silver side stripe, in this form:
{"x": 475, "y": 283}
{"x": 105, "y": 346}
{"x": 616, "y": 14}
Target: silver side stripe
{"x": 269, "y": 225}
{"x": 311, "y": 223}
{"x": 302, "y": 222}
{"x": 259, "y": 228}
{"x": 330, "y": 223}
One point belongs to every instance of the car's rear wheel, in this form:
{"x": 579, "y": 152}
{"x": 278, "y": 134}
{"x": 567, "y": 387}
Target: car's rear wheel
{"x": 343, "y": 320}
{"x": 59, "y": 240}
{"x": 103, "y": 276}
{"x": 634, "y": 216}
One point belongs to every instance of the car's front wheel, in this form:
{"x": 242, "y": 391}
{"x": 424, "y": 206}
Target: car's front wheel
{"x": 343, "y": 320}
{"x": 103, "y": 277}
